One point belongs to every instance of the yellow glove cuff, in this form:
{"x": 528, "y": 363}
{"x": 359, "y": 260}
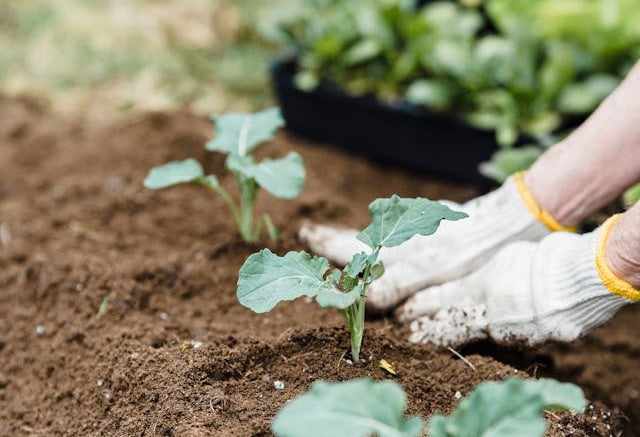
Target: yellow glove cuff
{"x": 609, "y": 279}
{"x": 540, "y": 214}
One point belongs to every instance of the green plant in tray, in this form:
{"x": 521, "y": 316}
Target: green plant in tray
{"x": 237, "y": 135}
{"x": 524, "y": 69}
{"x": 266, "y": 279}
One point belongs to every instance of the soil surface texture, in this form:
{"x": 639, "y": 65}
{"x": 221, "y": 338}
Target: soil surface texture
{"x": 173, "y": 353}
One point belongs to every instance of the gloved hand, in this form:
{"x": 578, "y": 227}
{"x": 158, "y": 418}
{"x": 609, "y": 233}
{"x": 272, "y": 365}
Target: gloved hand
{"x": 559, "y": 288}
{"x": 503, "y": 216}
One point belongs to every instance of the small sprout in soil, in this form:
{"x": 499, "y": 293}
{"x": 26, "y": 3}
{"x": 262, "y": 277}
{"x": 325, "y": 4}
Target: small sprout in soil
{"x": 237, "y": 135}
{"x": 104, "y": 306}
{"x": 266, "y": 279}
{"x": 361, "y": 407}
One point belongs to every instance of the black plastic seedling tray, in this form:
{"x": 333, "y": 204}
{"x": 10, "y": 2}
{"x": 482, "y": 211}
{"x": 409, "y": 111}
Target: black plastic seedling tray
{"x": 400, "y": 134}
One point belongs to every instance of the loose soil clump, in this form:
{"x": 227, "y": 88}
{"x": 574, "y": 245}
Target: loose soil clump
{"x": 174, "y": 353}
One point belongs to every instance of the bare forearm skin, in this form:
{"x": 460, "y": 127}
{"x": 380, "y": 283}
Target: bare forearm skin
{"x": 596, "y": 163}
{"x": 623, "y": 247}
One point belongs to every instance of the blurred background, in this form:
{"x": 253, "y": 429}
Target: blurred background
{"x": 522, "y": 72}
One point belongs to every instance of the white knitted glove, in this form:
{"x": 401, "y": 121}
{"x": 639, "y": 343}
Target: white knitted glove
{"x": 529, "y": 291}
{"x": 455, "y": 250}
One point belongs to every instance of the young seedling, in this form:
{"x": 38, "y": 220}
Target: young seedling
{"x": 266, "y": 279}
{"x": 237, "y": 135}
{"x": 361, "y": 408}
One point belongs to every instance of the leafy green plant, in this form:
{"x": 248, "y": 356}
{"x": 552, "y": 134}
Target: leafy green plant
{"x": 237, "y": 135}
{"x": 266, "y": 279}
{"x": 357, "y": 408}
{"x": 520, "y": 68}
{"x": 360, "y": 408}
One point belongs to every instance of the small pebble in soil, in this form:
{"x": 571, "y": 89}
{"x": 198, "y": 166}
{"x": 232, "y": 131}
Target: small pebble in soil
{"x": 164, "y": 316}
{"x": 100, "y": 382}
{"x": 112, "y": 183}
{"x": 79, "y": 287}
{"x": 135, "y": 355}
{"x": 191, "y": 344}
{"x": 279, "y": 385}
{"x": 348, "y": 361}
{"x": 40, "y": 329}
{"x": 457, "y": 395}
{"x": 107, "y": 396}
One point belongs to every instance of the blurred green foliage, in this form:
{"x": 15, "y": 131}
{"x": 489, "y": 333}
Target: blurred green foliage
{"x": 139, "y": 54}
{"x": 516, "y": 67}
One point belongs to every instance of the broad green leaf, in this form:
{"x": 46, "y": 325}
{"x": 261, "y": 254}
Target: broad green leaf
{"x": 377, "y": 270}
{"x": 284, "y": 177}
{"x": 356, "y": 265}
{"x": 335, "y": 298}
{"x": 240, "y": 133}
{"x": 173, "y": 173}
{"x": 396, "y": 220}
{"x": 363, "y": 51}
{"x": 558, "y": 395}
{"x": 513, "y": 407}
{"x": 583, "y": 97}
{"x": 430, "y": 92}
{"x": 265, "y": 279}
{"x": 506, "y": 162}
{"x": 357, "y": 408}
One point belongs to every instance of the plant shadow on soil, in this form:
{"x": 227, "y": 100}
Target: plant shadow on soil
{"x": 175, "y": 354}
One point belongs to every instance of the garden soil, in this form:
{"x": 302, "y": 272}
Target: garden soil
{"x": 173, "y": 353}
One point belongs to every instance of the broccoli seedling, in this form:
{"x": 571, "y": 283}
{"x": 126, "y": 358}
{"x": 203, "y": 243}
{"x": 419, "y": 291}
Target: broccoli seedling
{"x": 266, "y": 279}
{"x": 362, "y": 407}
{"x": 237, "y": 135}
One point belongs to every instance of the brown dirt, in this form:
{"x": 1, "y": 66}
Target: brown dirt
{"x": 77, "y": 226}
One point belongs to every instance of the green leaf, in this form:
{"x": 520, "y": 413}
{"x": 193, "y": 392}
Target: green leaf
{"x": 357, "y": 408}
{"x": 506, "y": 135}
{"x": 506, "y": 162}
{"x": 396, "y": 220}
{"x": 239, "y": 133}
{"x": 173, "y": 173}
{"x": 306, "y": 81}
{"x": 429, "y": 92}
{"x": 377, "y": 270}
{"x": 513, "y": 407}
{"x": 557, "y": 395}
{"x": 584, "y": 97}
{"x": 335, "y": 298}
{"x": 284, "y": 177}
{"x": 265, "y": 279}
{"x": 334, "y": 277}
{"x": 356, "y": 265}
{"x": 211, "y": 181}
{"x": 632, "y": 195}
{"x": 363, "y": 51}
